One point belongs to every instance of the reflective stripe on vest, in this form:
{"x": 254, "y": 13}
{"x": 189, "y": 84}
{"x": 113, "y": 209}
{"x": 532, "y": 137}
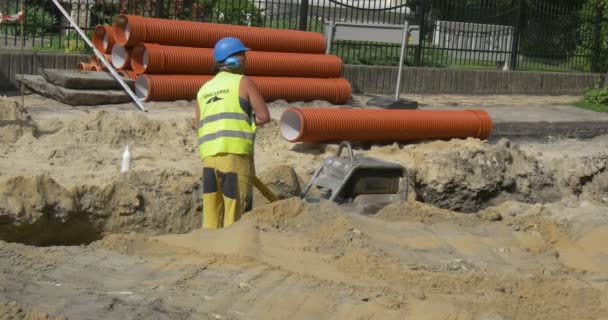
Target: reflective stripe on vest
{"x": 225, "y": 133}
{"x": 223, "y": 125}
{"x": 222, "y": 116}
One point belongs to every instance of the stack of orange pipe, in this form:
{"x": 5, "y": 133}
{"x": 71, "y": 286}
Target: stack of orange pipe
{"x": 376, "y": 125}
{"x": 175, "y": 58}
{"x": 185, "y": 87}
{"x": 158, "y": 59}
{"x": 131, "y": 30}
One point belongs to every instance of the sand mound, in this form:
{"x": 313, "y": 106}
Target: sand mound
{"x": 103, "y": 127}
{"x": 290, "y": 259}
{"x": 14, "y": 121}
{"x": 37, "y": 210}
{"x": 11, "y": 310}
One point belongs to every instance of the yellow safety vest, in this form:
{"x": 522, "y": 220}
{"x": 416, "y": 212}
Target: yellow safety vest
{"x": 223, "y": 126}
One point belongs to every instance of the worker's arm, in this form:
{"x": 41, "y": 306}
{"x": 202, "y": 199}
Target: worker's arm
{"x": 262, "y": 115}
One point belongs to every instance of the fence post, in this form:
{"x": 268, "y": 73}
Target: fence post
{"x": 597, "y": 32}
{"x": 516, "y": 35}
{"x": 159, "y": 9}
{"x": 420, "y": 14}
{"x": 303, "y": 15}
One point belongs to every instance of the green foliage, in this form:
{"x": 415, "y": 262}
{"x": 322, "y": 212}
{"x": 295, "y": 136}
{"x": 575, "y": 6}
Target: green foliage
{"x": 239, "y": 12}
{"x": 598, "y": 96}
{"x": 104, "y": 13}
{"x": 38, "y": 21}
{"x": 71, "y": 43}
{"x": 372, "y": 54}
{"x": 580, "y": 60}
{"x": 593, "y": 36}
{"x": 591, "y": 106}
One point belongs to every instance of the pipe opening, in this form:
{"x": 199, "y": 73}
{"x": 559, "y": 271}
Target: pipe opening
{"x": 127, "y": 30}
{"x": 141, "y": 87}
{"x": 119, "y": 56}
{"x": 290, "y": 125}
{"x": 137, "y": 59}
{"x": 145, "y": 59}
{"x": 106, "y": 41}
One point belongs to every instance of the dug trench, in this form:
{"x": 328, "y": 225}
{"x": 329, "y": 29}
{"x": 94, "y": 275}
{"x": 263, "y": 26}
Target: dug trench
{"x": 492, "y": 230}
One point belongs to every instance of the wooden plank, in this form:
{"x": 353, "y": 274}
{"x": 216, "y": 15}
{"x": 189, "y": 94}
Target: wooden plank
{"x": 408, "y": 80}
{"x": 417, "y": 87}
{"x": 389, "y": 79}
{"x": 5, "y": 69}
{"x": 28, "y": 63}
{"x": 71, "y": 62}
{"x": 15, "y": 66}
{"x": 60, "y": 62}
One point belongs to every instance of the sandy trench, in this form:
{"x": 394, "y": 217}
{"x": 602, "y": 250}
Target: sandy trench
{"x": 498, "y": 231}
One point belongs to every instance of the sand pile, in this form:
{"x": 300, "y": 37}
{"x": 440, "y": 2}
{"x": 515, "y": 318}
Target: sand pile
{"x": 67, "y": 175}
{"x": 530, "y": 247}
{"x": 37, "y": 210}
{"x": 14, "y": 121}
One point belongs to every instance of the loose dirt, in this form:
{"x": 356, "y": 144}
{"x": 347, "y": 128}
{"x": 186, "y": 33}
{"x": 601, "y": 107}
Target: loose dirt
{"x": 491, "y": 231}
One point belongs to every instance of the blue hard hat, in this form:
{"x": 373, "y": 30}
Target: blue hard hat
{"x": 227, "y": 47}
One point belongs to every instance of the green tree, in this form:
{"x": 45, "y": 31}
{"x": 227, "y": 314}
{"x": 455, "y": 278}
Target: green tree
{"x": 240, "y": 12}
{"x": 592, "y": 35}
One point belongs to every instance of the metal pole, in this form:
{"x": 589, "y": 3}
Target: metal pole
{"x": 100, "y": 56}
{"x": 406, "y": 31}
{"x": 303, "y": 15}
{"x": 21, "y": 22}
{"x": 516, "y": 33}
{"x": 329, "y": 33}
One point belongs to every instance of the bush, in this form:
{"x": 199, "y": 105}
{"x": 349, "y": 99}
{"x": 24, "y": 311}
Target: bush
{"x": 598, "y": 96}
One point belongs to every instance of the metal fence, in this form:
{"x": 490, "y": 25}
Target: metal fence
{"x": 560, "y": 35}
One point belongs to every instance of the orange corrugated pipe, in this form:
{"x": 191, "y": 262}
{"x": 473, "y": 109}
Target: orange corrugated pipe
{"x": 378, "y": 125}
{"x": 103, "y": 38}
{"x": 121, "y": 57}
{"x": 205, "y": 35}
{"x": 128, "y": 74}
{"x": 95, "y": 60}
{"x": 85, "y": 66}
{"x": 184, "y": 87}
{"x": 154, "y": 58}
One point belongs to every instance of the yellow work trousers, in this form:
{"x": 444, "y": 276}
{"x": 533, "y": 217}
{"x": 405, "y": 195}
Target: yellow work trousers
{"x": 227, "y": 187}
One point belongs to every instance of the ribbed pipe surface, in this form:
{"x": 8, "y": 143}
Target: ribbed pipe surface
{"x": 185, "y": 87}
{"x": 128, "y": 74}
{"x": 158, "y": 59}
{"x": 377, "y": 125}
{"x": 121, "y": 57}
{"x": 130, "y": 30}
{"x": 103, "y": 38}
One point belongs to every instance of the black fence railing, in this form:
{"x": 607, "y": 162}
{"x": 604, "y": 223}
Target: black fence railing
{"x": 551, "y": 35}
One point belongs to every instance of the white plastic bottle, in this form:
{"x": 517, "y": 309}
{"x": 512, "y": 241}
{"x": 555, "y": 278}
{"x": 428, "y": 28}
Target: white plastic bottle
{"x": 126, "y": 159}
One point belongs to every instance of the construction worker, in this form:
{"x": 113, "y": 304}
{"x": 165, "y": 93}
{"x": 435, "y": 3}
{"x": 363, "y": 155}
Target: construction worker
{"x": 230, "y": 107}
